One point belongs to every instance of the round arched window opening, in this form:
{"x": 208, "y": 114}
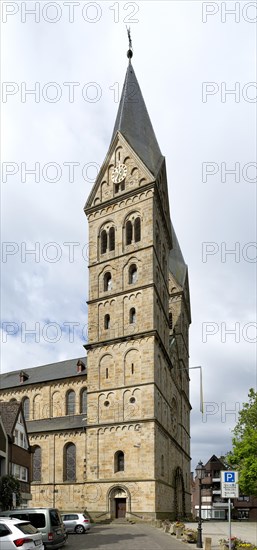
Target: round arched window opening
{"x": 132, "y": 400}
{"x": 106, "y": 403}
{"x": 132, "y": 274}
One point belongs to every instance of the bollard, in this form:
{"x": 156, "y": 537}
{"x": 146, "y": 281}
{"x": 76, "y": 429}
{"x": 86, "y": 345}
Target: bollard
{"x": 207, "y": 543}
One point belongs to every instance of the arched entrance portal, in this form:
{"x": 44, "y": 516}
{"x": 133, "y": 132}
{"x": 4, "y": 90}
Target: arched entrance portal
{"x": 118, "y": 502}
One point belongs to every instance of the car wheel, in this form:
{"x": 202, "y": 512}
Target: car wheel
{"x": 79, "y": 529}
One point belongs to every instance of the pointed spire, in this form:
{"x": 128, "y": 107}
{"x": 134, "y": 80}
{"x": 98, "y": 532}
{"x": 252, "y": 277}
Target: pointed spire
{"x": 130, "y": 50}
{"x": 134, "y": 123}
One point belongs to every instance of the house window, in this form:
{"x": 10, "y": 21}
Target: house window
{"x": 83, "y": 401}
{"x": 107, "y": 281}
{"x": 37, "y": 464}
{"x": 70, "y": 402}
{"x": 106, "y": 373}
{"x": 132, "y": 315}
{"x": 107, "y": 321}
{"x": 119, "y": 461}
{"x": 132, "y": 274}
{"x": 132, "y": 368}
{"x": 69, "y": 462}
{"x": 25, "y": 405}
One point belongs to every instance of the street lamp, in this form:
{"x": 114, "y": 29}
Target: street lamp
{"x": 200, "y": 474}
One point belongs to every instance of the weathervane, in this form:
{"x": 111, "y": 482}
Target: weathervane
{"x": 130, "y": 50}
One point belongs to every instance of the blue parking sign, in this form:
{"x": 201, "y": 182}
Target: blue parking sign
{"x": 229, "y": 477}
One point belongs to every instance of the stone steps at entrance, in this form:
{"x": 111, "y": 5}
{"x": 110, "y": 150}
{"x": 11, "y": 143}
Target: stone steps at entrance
{"x": 119, "y": 520}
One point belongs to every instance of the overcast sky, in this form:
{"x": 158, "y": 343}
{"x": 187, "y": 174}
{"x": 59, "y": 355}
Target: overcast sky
{"x": 187, "y": 56}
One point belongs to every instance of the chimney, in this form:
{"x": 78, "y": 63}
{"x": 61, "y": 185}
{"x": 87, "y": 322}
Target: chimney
{"x": 23, "y": 377}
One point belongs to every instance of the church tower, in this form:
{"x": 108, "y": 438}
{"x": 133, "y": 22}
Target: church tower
{"x": 138, "y": 443}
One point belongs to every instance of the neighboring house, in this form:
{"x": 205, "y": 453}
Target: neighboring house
{"x": 125, "y": 450}
{"x": 213, "y": 505}
{"x": 19, "y": 452}
{"x": 3, "y": 450}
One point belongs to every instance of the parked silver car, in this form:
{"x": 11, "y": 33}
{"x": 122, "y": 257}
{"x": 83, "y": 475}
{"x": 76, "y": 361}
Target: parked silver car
{"x": 76, "y": 523}
{"x": 48, "y": 522}
{"x": 15, "y": 533}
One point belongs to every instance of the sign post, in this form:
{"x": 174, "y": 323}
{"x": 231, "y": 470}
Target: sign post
{"x": 229, "y": 489}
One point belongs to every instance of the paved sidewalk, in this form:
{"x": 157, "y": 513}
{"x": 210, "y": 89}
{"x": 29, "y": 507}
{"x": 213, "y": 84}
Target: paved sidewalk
{"x": 219, "y": 529}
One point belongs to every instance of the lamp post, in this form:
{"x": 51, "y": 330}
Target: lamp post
{"x": 200, "y": 474}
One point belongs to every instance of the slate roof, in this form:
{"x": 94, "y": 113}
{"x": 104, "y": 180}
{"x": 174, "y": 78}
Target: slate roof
{"x": 9, "y": 412}
{"x": 134, "y": 123}
{"x": 177, "y": 264}
{"x": 56, "y": 423}
{"x": 44, "y": 373}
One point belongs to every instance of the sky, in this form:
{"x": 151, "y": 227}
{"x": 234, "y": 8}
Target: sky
{"x": 195, "y": 63}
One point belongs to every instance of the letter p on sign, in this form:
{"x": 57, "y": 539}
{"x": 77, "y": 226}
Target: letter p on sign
{"x": 229, "y": 477}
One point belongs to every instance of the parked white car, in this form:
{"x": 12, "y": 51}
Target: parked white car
{"x": 16, "y": 533}
{"x": 76, "y": 523}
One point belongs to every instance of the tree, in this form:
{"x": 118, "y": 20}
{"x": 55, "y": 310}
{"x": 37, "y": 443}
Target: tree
{"x": 243, "y": 456}
{"x": 9, "y": 485}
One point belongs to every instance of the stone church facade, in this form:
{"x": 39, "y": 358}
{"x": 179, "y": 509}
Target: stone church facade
{"x": 120, "y": 419}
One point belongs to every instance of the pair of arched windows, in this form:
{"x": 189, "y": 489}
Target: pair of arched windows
{"x": 107, "y": 320}
{"x": 132, "y": 277}
{"x": 69, "y": 463}
{"x": 71, "y": 402}
{"x": 107, "y": 238}
{"x": 133, "y": 231}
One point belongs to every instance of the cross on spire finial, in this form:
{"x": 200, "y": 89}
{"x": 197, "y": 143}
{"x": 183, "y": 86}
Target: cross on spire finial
{"x": 130, "y": 50}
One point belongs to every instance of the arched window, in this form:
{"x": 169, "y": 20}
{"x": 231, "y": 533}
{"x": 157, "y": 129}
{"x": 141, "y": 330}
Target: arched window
{"x": 128, "y": 232}
{"x": 107, "y": 239}
{"x": 119, "y": 462}
{"x": 107, "y": 321}
{"x": 25, "y": 406}
{"x": 112, "y": 238}
{"x": 132, "y": 274}
{"x": 69, "y": 462}
{"x": 70, "y": 402}
{"x": 83, "y": 401}
{"x": 137, "y": 230}
{"x": 107, "y": 281}
{"x": 103, "y": 241}
{"x": 162, "y": 465}
{"x": 132, "y": 315}
{"x": 36, "y": 464}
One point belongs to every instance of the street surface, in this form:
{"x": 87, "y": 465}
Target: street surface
{"x": 146, "y": 537}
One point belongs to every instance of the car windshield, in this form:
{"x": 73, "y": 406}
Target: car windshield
{"x": 26, "y": 528}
